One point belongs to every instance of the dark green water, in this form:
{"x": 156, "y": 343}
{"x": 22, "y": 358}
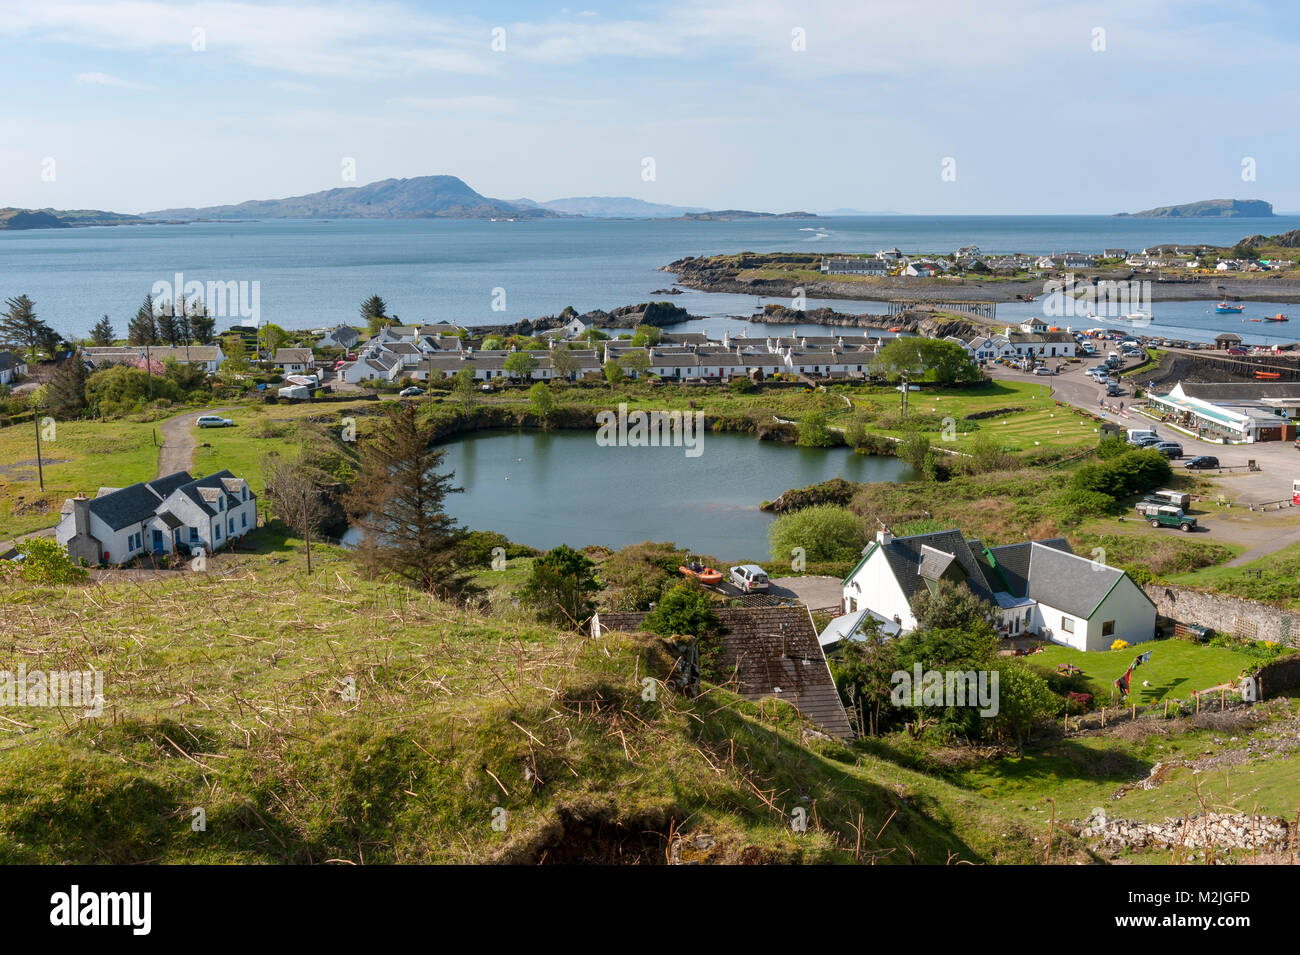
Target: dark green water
{"x": 548, "y": 488}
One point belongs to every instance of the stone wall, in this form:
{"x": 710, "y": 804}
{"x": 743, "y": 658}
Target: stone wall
{"x": 1203, "y": 830}
{"x": 1244, "y": 619}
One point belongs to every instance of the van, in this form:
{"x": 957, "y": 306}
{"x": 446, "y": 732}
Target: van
{"x": 749, "y": 577}
{"x": 1132, "y": 435}
{"x": 1112, "y": 358}
{"x": 1175, "y": 498}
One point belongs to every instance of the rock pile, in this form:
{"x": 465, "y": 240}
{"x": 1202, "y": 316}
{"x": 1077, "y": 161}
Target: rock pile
{"x": 1219, "y": 830}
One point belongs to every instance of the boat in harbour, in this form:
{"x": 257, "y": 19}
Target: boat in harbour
{"x": 1223, "y": 308}
{"x": 1279, "y": 317}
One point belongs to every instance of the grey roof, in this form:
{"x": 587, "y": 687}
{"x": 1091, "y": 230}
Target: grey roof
{"x": 297, "y": 356}
{"x": 170, "y": 519}
{"x": 1012, "y": 562}
{"x": 1068, "y": 582}
{"x": 934, "y": 563}
{"x": 1241, "y": 390}
{"x": 771, "y": 652}
{"x": 905, "y": 555}
{"x": 163, "y": 486}
{"x": 131, "y": 505}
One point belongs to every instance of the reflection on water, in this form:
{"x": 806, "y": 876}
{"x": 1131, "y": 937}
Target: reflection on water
{"x": 545, "y": 489}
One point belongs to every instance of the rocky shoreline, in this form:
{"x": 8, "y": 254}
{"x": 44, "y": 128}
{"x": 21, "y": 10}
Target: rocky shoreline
{"x": 702, "y": 274}
{"x": 918, "y": 321}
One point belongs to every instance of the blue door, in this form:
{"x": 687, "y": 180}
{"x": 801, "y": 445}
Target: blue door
{"x": 158, "y": 542}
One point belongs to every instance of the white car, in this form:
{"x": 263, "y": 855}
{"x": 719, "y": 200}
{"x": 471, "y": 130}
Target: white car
{"x": 213, "y": 421}
{"x": 749, "y": 577}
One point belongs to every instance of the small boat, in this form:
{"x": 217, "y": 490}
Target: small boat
{"x": 1279, "y": 317}
{"x": 1223, "y": 308}
{"x": 1268, "y": 374}
{"x": 1256, "y": 319}
{"x": 705, "y": 575}
{"x": 896, "y": 328}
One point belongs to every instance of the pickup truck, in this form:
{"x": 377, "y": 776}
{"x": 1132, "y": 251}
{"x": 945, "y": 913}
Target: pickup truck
{"x": 1166, "y": 515}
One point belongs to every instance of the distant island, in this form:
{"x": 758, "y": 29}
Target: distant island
{"x": 611, "y": 207}
{"x": 15, "y": 219}
{"x": 1208, "y": 209}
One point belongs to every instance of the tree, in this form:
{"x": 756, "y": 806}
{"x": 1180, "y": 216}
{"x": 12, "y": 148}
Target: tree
{"x": 647, "y": 335}
{"x": 168, "y": 332}
{"x": 540, "y": 402}
{"x": 143, "y": 328}
{"x": 685, "y": 610}
{"x": 915, "y": 357}
{"x": 913, "y": 449}
{"x": 374, "y": 312}
{"x": 613, "y": 372}
{"x": 863, "y": 670}
{"x": 102, "y": 334}
{"x": 295, "y": 491}
{"x": 564, "y": 362}
{"x": 560, "y": 586}
{"x": 232, "y": 346}
{"x": 1024, "y": 700}
{"x": 272, "y": 337}
{"x": 635, "y": 363}
{"x": 65, "y": 395}
{"x": 951, "y": 606}
{"x": 20, "y": 328}
{"x": 820, "y": 533}
{"x": 520, "y": 364}
{"x": 397, "y": 505}
{"x": 814, "y": 433}
{"x": 463, "y": 387}
{"x": 202, "y": 327}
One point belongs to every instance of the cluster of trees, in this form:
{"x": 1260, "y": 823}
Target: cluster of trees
{"x": 1121, "y": 471}
{"x": 162, "y": 324}
{"x": 932, "y": 359}
{"x": 823, "y": 533}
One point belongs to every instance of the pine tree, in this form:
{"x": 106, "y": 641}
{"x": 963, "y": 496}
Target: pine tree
{"x": 143, "y": 329}
{"x": 202, "y": 327}
{"x": 374, "y": 312}
{"x": 102, "y": 334}
{"x": 168, "y": 332}
{"x": 397, "y": 504}
{"x": 21, "y": 329}
{"x": 65, "y": 395}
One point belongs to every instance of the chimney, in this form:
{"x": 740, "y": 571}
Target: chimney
{"x": 81, "y": 514}
{"x": 884, "y": 536}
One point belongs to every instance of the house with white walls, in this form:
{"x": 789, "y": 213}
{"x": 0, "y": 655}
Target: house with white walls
{"x": 1038, "y": 587}
{"x": 12, "y": 367}
{"x": 175, "y": 514}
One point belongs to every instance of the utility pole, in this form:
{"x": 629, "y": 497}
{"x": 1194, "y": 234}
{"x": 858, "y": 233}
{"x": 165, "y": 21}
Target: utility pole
{"x": 902, "y": 401}
{"x": 40, "y": 470}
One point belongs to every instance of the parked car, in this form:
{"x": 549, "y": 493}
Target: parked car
{"x": 1146, "y": 440}
{"x": 1166, "y": 515}
{"x": 1170, "y": 449}
{"x": 1113, "y": 390}
{"x": 1236, "y": 351}
{"x": 1202, "y": 461}
{"x": 749, "y": 577}
{"x": 213, "y": 421}
{"x": 410, "y": 392}
{"x": 1042, "y": 370}
{"x": 1176, "y": 498}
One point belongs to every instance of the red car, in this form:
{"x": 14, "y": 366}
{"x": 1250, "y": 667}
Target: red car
{"x": 1236, "y": 351}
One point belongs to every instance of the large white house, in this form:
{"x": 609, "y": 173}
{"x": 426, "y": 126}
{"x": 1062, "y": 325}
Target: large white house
{"x": 11, "y": 366}
{"x": 1040, "y": 587}
{"x": 172, "y": 514}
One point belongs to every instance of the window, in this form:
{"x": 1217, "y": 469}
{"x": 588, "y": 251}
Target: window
{"x": 1067, "y": 624}
{"x": 232, "y": 526}
{"x": 221, "y": 503}
{"x": 243, "y": 518}
{"x": 194, "y": 533}
{"x": 217, "y": 535}
{"x": 1108, "y": 628}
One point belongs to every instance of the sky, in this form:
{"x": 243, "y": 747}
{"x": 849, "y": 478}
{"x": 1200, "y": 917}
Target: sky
{"x": 946, "y": 107}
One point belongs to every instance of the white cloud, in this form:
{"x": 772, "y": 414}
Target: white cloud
{"x": 104, "y": 79}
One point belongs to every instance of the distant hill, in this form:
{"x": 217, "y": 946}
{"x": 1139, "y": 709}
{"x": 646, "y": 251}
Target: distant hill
{"x": 611, "y": 207}
{"x": 1209, "y": 209}
{"x": 423, "y": 197}
{"x": 726, "y": 214}
{"x": 15, "y": 219}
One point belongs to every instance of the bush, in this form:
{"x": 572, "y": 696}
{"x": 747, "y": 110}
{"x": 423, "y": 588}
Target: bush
{"x": 46, "y": 562}
{"x": 814, "y": 433}
{"x": 824, "y": 532}
{"x": 1119, "y": 645}
{"x": 1129, "y": 473}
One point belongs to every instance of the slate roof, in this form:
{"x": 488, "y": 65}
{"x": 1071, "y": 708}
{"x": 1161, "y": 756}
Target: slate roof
{"x": 131, "y": 505}
{"x": 1011, "y": 562}
{"x": 292, "y": 356}
{"x": 1068, "y": 582}
{"x": 766, "y": 661}
{"x": 163, "y": 486}
{"x": 904, "y": 556}
{"x": 934, "y": 563}
{"x": 1241, "y": 390}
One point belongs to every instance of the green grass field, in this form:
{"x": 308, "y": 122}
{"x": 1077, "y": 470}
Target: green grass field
{"x": 1176, "y": 668}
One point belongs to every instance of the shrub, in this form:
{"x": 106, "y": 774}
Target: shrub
{"x": 823, "y": 532}
{"x": 45, "y": 562}
{"x": 1119, "y": 645}
{"x": 813, "y": 432}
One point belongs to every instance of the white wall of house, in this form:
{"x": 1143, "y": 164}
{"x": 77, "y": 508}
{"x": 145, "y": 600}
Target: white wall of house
{"x": 874, "y": 587}
{"x": 1132, "y": 611}
{"x": 118, "y": 546}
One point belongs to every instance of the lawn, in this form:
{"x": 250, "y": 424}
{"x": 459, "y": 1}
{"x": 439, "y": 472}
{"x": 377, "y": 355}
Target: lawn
{"x": 1270, "y": 578}
{"x": 1176, "y": 668}
{"x": 76, "y": 456}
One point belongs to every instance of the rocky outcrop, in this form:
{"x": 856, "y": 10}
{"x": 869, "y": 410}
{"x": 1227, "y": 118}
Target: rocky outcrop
{"x": 919, "y": 321}
{"x": 1218, "y": 830}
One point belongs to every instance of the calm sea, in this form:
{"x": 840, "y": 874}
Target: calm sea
{"x": 314, "y": 273}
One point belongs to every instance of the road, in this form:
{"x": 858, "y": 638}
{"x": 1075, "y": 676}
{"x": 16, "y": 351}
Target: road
{"x": 178, "y": 441}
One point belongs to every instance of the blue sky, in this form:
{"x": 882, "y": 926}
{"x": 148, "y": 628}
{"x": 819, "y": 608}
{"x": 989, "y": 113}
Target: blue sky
{"x": 1037, "y": 119}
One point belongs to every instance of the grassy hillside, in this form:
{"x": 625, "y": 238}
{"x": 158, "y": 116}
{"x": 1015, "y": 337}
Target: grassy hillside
{"x": 228, "y": 692}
